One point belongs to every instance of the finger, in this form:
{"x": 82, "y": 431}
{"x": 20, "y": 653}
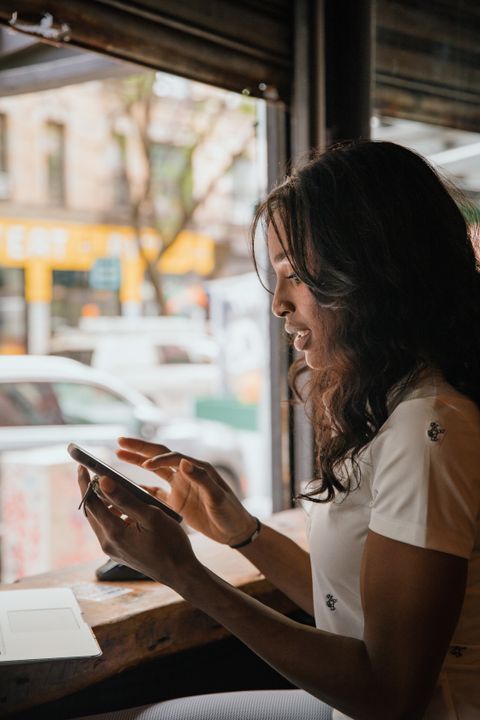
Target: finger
{"x": 118, "y": 513}
{"x": 157, "y": 492}
{"x": 102, "y": 520}
{"x": 127, "y": 503}
{"x": 102, "y": 526}
{"x": 131, "y": 457}
{"x": 201, "y": 476}
{"x": 165, "y": 473}
{"x": 84, "y": 482}
{"x": 171, "y": 460}
{"x": 145, "y": 448}
{"x": 83, "y": 478}
{"x": 205, "y": 475}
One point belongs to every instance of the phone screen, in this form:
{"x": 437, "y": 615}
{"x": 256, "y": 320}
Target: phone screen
{"x": 99, "y": 467}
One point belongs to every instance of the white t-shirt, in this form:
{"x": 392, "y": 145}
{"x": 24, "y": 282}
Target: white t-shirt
{"x": 420, "y": 485}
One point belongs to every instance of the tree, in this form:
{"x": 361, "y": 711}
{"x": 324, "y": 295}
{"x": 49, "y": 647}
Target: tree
{"x": 164, "y": 200}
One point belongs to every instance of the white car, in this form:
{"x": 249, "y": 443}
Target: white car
{"x": 48, "y": 400}
{"x": 170, "y": 360}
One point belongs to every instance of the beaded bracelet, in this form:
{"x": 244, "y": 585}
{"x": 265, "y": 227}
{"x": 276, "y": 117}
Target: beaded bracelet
{"x": 250, "y": 539}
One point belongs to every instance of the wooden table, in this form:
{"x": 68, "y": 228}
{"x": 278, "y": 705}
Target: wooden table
{"x": 148, "y": 621}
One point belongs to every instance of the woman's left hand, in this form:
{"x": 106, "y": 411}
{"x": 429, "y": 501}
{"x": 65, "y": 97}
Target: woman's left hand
{"x": 146, "y": 539}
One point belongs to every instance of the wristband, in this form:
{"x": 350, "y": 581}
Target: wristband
{"x": 250, "y": 539}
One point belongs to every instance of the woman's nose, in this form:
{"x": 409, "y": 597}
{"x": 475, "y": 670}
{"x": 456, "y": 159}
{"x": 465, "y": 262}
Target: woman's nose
{"x": 280, "y": 307}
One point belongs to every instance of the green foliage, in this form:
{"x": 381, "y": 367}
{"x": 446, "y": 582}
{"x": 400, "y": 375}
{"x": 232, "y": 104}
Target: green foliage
{"x": 136, "y": 88}
{"x": 172, "y": 185}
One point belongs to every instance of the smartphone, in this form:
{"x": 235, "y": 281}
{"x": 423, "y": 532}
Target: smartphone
{"x": 97, "y": 466}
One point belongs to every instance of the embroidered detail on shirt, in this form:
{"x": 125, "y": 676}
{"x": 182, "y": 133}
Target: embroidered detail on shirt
{"x": 457, "y": 650}
{"x": 435, "y": 431}
{"x": 330, "y": 601}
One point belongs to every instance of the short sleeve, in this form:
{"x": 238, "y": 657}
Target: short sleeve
{"x": 426, "y": 474}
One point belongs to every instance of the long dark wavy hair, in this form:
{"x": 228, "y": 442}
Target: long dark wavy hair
{"x": 380, "y": 240}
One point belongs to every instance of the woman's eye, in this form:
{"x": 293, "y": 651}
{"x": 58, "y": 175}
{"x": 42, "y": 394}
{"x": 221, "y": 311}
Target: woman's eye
{"x": 294, "y": 278}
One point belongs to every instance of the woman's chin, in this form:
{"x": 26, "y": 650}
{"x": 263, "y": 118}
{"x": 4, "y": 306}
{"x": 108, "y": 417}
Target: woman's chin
{"x": 313, "y": 360}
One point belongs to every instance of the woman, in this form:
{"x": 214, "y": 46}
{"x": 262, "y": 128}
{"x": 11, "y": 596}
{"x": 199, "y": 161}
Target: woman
{"x": 377, "y": 282}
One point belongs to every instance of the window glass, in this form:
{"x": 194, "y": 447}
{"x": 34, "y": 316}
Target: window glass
{"x": 133, "y": 207}
{"x": 74, "y": 294}
{"x": 118, "y": 163}
{"x": 13, "y": 331}
{"x": 83, "y": 356}
{"x": 55, "y": 136}
{"x": 171, "y": 181}
{"x": 83, "y": 404}
{"x": 28, "y": 403}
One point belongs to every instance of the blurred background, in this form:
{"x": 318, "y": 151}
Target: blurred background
{"x": 128, "y": 301}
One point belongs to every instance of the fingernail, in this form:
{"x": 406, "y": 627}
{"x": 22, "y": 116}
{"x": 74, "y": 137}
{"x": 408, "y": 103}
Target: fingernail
{"x": 187, "y": 466}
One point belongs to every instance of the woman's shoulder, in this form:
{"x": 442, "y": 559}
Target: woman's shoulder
{"x": 431, "y": 393}
{"x": 428, "y": 412}
{"x": 424, "y": 469}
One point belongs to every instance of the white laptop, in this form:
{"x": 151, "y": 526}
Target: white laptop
{"x": 43, "y": 625}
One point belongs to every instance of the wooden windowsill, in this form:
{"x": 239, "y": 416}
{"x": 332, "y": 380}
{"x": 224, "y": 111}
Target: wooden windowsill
{"x": 148, "y": 621}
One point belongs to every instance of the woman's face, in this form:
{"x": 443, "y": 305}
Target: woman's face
{"x": 310, "y": 324}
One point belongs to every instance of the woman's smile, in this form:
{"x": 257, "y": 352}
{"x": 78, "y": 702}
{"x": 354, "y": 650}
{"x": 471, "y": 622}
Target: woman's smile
{"x": 302, "y": 337}
{"x": 302, "y": 340}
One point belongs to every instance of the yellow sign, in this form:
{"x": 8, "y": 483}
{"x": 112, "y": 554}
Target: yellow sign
{"x": 40, "y": 246}
{"x": 191, "y": 252}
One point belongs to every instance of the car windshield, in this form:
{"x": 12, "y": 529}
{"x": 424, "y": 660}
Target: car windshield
{"x": 83, "y": 404}
{"x": 83, "y": 356}
{"x": 171, "y": 354}
{"x": 28, "y": 403}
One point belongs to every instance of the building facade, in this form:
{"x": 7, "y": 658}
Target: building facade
{"x": 75, "y": 164}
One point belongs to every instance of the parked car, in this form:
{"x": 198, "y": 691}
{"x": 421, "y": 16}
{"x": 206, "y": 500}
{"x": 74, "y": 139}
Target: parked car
{"x": 48, "y": 400}
{"x": 170, "y": 360}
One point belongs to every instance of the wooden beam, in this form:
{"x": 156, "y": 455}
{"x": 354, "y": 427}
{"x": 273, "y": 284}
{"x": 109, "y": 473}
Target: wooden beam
{"x": 427, "y": 62}
{"x": 246, "y": 49}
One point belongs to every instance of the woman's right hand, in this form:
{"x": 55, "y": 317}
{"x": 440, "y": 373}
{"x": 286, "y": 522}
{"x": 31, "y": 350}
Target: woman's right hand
{"x": 196, "y": 491}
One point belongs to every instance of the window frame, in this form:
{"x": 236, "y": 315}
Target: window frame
{"x": 272, "y": 50}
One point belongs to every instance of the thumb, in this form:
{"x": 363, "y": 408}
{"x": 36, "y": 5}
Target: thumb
{"x": 123, "y": 500}
{"x": 186, "y": 467}
{"x": 200, "y": 476}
